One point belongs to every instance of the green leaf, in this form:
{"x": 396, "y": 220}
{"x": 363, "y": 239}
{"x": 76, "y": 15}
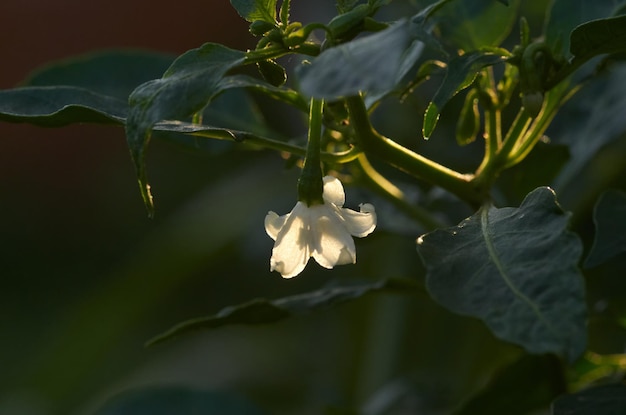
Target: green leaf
{"x": 565, "y": 15}
{"x": 516, "y": 270}
{"x": 588, "y": 123}
{"x": 472, "y": 24}
{"x": 461, "y": 72}
{"x": 252, "y": 10}
{"x": 185, "y": 89}
{"x": 598, "y": 37}
{"x": 90, "y": 88}
{"x": 373, "y": 64}
{"x": 55, "y": 106}
{"x": 113, "y": 73}
{"x": 529, "y": 383}
{"x": 168, "y": 400}
{"x": 610, "y": 238}
{"x": 262, "y": 311}
{"x": 601, "y": 400}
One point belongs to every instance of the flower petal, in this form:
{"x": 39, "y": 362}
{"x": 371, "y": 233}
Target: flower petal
{"x": 333, "y": 191}
{"x": 361, "y": 223}
{"x": 332, "y": 244}
{"x": 293, "y": 243}
{"x": 274, "y": 223}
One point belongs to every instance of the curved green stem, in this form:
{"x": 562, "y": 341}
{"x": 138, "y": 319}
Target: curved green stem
{"x": 491, "y": 166}
{"x": 406, "y": 160}
{"x": 555, "y": 98}
{"x": 379, "y": 184}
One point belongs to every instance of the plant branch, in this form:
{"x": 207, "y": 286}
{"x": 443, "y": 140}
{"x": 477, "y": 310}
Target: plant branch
{"x": 406, "y": 160}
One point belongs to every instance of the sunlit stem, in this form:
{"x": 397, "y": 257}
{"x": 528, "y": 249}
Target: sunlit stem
{"x": 338, "y": 157}
{"x": 379, "y": 184}
{"x": 310, "y": 184}
{"x": 555, "y": 98}
{"x": 406, "y": 160}
{"x": 492, "y": 165}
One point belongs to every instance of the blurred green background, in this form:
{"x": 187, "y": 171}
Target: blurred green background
{"x": 87, "y": 278}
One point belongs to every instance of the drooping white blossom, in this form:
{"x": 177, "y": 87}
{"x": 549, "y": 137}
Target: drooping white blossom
{"x": 322, "y": 231}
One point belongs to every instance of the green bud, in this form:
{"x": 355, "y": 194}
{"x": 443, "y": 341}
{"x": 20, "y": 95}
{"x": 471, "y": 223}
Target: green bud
{"x": 272, "y": 72}
{"x": 260, "y": 27}
{"x": 347, "y": 25}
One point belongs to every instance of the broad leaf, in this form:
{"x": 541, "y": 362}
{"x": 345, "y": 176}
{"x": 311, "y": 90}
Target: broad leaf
{"x": 373, "y": 64}
{"x": 461, "y": 72}
{"x": 55, "y": 106}
{"x": 609, "y": 216}
{"x": 185, "y": 89}
{"x": 598, "y": 37}
{"x": 262, "y": 311}
{"x": 472, "y": 24}
{"x": 592, "y": 120}
{"x": 565, "y": 15}
{"x": 171, "y": 400}
{"x": 252, "y": 10}
{"x": 601, "y": 400}
{"x": 91, "y": 88}
{"x": 114, "y": 73}
{"x": 515, "y": 269}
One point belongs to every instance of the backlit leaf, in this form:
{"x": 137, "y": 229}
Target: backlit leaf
{"x": 185, "y": 89}
{"x": 373, "y": 64}
{"x": 252, "y": 10}
{"x": 461, "y": 72}
{"x": 565, "y": 15}
{"x": 262, "y": 311}
{"x": 472, "y": 24}
{"x": 516, "y": 270}
{"x": 598, "y": 37}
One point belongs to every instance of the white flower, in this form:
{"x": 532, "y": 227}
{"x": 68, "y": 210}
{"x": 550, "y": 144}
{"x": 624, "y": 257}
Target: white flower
{"x": 323, "y": 232}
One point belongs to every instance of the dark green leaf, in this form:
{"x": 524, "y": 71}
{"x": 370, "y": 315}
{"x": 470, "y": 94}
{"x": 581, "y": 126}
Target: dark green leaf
{"x": 472, "y": 24}
{"x": 55, "y": 106}
{"x": 373, "y": 64}
{"x": 114, "y": 73}
{"x": 262, "y": 311}
{"x": 592, "y": 120}
{"x": 601, "y": 400}
{"x": 461, "y": 72}
{"x": 185, "y": 89}
{"x": 252, "y": 10}
{"x": 609, "y": 217}
{"x": 166, "y": 400}
{"x": 530, "y": 383}
{"x": 91, "y": 88}
{"x": 515, "y": 269}
{"x": 598, "y": 37}
{"x": 565, "y": 15}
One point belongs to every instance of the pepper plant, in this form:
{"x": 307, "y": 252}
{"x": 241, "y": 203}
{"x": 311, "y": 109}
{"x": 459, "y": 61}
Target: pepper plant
{"x": 520, "y": 113}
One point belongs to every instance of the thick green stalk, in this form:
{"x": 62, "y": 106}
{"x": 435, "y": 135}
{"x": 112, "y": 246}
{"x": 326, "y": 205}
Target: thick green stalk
{"x": 310, "y": 184}
{"x": 492, "y": 165}
{"x": 406, "y": 160}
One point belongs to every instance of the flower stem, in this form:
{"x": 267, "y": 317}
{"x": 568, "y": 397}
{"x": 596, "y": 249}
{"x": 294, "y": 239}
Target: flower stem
{"x": 310, "y": 184}
{"x": 406, "y": 160}
{"x": 379, "y": 184}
